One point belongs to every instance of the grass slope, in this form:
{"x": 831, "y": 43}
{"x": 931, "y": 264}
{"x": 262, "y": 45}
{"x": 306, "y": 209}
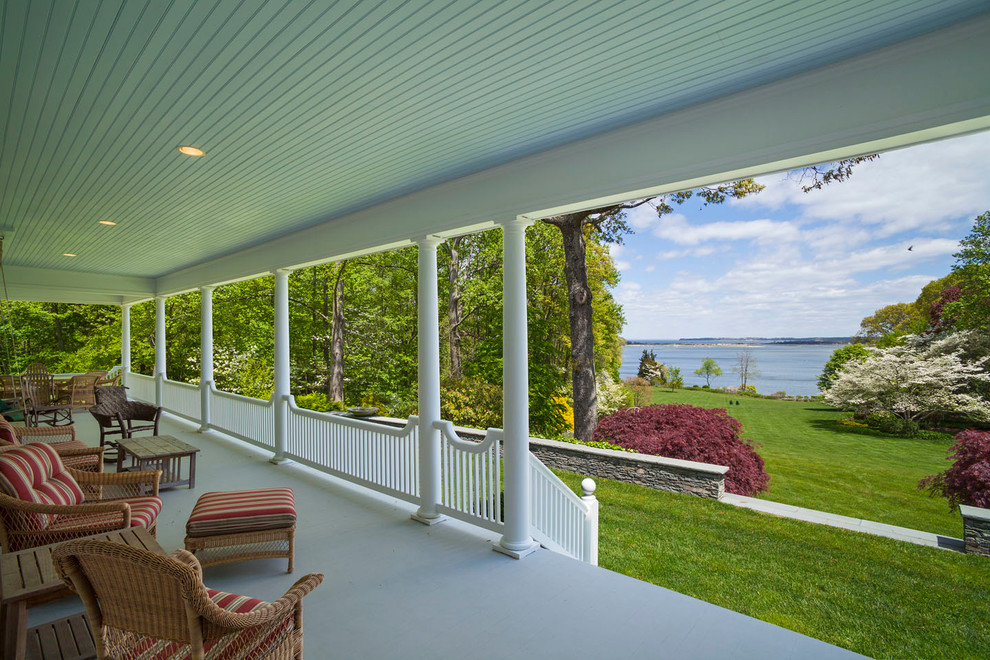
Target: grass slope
{"x": 875, "y": 596}
{"x": 816, "y": 463}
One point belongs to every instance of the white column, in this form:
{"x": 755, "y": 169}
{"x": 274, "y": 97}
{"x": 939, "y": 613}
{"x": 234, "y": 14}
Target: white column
{"x": 516, "y": 540}
{"x": 429, "y": 383}
{"x": 125, "y": 341}
{"x": 281, "y": 364}
{"x": 160, "y": 367}
{"x": 205, "y": 353}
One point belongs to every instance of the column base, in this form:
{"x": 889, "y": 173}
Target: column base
{"x": 429, "y": 522}
{"x": 204, "y": 428}
{"x": 279, "y": 460}
{"x": 515, "y": 553}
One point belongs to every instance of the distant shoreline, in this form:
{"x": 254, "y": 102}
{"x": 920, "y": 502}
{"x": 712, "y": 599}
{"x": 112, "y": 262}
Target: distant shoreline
{"x": 748, "y": 341}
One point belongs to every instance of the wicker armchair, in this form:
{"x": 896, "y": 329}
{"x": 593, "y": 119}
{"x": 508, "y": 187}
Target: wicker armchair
{"x": 74, "y": 454}
{"x": 116, "y": 414}
{"x": 142, "y": 604}
{"x": 42, "y": 501}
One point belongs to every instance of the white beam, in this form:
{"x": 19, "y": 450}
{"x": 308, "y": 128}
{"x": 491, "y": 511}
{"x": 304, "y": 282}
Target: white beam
{"x": 921, "y": 89}
{"x": 48, "y": 285}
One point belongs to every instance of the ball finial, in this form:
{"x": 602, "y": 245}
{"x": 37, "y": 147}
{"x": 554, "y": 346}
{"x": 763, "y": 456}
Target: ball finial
{"x": 588, "y": 486}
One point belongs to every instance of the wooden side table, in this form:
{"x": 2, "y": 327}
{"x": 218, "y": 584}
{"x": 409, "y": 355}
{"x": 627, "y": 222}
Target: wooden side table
{"x": 159, "y": 452}
{"x": 28, "y": 578}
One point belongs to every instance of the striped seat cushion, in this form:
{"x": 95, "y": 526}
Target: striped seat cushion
{"x": 249, "y": 643}
{"x": 144, "y": 513}
{"x": 237, "y": 511}
{"x": 35, "y": 473}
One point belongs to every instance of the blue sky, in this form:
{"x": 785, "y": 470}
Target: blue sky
{"x": 788, "y": 263}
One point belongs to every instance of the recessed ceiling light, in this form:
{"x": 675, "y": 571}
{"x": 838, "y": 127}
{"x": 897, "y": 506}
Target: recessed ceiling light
{"x": 109, "y": 223}
{"x": 68, "y": 254}
{"x": 191, "y": 151}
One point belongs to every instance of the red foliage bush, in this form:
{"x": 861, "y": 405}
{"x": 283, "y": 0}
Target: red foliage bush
{"x": 968, "y": 480}
{"x": 689, "y": 433}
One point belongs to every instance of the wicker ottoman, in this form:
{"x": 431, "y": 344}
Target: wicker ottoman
{"x": 242, "y": 524}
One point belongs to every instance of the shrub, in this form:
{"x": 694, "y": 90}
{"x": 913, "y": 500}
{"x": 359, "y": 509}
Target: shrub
{"x": 968, "y": 480}
{"x": 642, "y": 391}
{"x": 888, "y": 422}
{"x": 317, "y": 401}
{"x": 611, "y": 395}
{"x": 690, "y": 433}
{"x": 471, "y": 402}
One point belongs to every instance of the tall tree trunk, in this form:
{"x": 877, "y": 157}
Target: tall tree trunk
{"x": 335, "y": 389}
{"x": 580, "y": 316}
{"x": 327, "y": 333}
{"x": 59, "y": 338}
{"x": 455, "y": 309}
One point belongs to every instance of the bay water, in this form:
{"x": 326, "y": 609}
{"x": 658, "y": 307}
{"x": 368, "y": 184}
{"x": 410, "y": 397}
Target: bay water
{"x": 783, "y": 367}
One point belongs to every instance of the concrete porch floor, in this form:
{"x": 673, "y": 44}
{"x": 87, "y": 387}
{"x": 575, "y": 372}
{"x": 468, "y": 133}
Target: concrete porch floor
{"x": 398, "y": 589}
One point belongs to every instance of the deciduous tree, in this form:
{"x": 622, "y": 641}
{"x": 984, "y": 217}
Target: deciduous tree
{"x": 709, "y": 369}
{"x": 915, "y": 381}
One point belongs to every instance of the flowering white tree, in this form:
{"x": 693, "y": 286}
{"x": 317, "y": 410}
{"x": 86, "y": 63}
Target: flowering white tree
{"x": 913, "y": 381}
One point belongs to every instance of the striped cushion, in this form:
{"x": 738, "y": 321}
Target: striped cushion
{"x": 35, "y": 473}
{"x": 237, "y": 511}
{"x": 7, "y": 435}
{"x": 144, "y": 513}
{"x": 230, "y": 647}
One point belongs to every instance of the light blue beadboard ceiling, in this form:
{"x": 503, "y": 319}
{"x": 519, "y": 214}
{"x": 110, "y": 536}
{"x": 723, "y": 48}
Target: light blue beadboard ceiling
{"x": 310, "y": 110}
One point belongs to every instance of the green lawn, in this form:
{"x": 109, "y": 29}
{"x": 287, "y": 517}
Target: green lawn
{"x": 816, "y": 463}
{"x": 872, "y": 595}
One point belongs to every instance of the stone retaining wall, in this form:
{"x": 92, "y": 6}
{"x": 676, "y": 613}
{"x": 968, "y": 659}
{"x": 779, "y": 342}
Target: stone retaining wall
{"x": 976, "y": 529}
{"x": 669, "y": 474}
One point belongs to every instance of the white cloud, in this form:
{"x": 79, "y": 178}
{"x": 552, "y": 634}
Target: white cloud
{"x": 676, "y": 229}
{"x": 921, "y": 188}
{"x": 816, "y": 263}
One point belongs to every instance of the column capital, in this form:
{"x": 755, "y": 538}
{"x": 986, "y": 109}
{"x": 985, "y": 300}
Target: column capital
{"x": 160, "y": 296}
{"x": 518, "y": 223}
{"x": 208, "y": 287}
{"x": 431, "y": 240}
{"x": 282, "y": 272}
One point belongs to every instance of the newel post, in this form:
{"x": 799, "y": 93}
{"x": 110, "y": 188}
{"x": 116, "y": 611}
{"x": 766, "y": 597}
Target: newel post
{"x": 516, "y": 540}
{"x": 125, "y": 342}
{"x": 206, "y": 354}
{"x": 160, "y": 367}
{"x": 429, "y": 382}
{"x": 281, "y": 394}
{"x": 588, "y": 488}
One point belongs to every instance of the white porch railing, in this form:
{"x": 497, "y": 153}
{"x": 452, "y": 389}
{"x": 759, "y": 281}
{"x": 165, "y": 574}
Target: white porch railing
{"x": 386, "y": 459}
{"x": 140, "y": 387}
{"x": 243, "y": 417}
{"x": 182, "y": 399}
{"x": 471, "y": 490}
{"x": 561, "y": 520}
{"x": 383, "y": 458}
{"x": 471, "y": 477}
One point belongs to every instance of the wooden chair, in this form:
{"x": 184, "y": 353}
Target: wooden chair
{"x": 74, "y": 454}
{"x": 42, "y": 501}
{"x": 40, "y": 399}
{"x": 82, "y": 395}
{"x": 142, "y": 604}
{"x": 116, "y": 415}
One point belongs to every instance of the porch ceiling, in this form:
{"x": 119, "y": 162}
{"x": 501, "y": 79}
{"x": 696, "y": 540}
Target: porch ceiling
{"x": 310, "y": 112}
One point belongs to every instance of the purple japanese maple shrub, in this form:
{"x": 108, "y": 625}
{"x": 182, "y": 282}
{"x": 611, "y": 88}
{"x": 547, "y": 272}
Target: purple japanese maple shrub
{"x": 689, "y": 433}
{"x": 968, "y": 480}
